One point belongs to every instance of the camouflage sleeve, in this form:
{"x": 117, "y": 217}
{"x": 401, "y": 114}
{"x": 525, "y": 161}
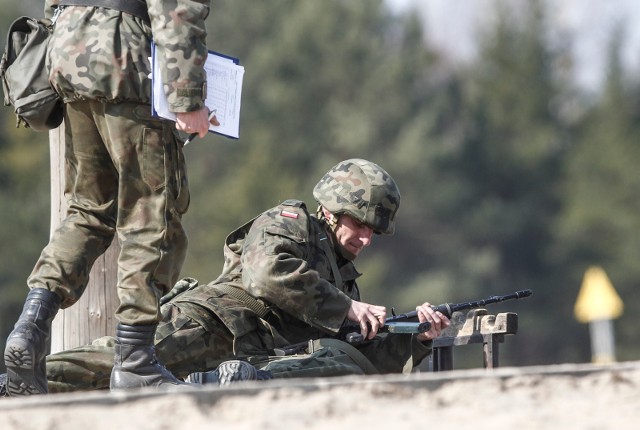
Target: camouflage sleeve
{"x": 275, "y": 268}
{"x": 179, "y": 32}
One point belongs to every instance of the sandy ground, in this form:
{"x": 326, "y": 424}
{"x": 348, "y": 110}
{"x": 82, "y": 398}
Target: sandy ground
{"x": 546, "y": 397}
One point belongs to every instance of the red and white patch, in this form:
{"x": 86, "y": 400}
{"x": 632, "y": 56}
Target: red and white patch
{"x": 289, "y": 214}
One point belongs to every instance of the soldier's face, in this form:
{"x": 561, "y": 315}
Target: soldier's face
{"x": 352, "y": 234}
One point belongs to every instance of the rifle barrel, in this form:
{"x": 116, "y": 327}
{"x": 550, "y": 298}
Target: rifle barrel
{"x": 449, "y": 308}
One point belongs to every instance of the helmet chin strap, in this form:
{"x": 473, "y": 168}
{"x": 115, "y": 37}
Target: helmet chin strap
{"x": 332, "y": 222}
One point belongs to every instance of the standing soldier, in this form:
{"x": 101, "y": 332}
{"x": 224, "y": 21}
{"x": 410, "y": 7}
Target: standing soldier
{"x": 125, "y": 175}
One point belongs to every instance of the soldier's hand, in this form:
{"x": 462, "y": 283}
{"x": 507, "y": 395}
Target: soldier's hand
{"x": 437, "y": 319}
{"x": 194, "y": 122}
{"x": 369, "y": 317}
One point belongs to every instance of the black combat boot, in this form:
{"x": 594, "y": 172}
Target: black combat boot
{"x": 229, "y": 372}
{"x": 27, "y": 345}
{"x": 136, "y": 365}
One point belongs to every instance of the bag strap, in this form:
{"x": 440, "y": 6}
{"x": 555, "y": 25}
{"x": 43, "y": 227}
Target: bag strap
{"x": 323, "y": 239}
{"x": 249, "y": 301}
{"x": 134, "y": 7}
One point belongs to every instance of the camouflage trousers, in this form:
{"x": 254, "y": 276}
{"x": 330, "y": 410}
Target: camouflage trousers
{"x": 125, "y": 175}
{"x": 184, "y": 346}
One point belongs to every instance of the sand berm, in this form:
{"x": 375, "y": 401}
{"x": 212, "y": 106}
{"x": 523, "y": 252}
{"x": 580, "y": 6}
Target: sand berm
{"x": 566, "y": 396}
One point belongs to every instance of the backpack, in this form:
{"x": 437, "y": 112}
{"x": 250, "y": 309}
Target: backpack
{"x": 25, "y": 77}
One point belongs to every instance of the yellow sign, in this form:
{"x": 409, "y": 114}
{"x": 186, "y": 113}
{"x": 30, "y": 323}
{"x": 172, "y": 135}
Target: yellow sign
{"x": 597, "y": 299}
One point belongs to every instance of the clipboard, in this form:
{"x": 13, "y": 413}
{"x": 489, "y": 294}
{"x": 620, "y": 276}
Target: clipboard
{"x": 224, "y": 92}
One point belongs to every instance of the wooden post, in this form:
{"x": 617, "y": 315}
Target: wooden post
{"x": 442, "y": 358}
{"x": 93, "y": 315}
{"x": 477, "y": 326}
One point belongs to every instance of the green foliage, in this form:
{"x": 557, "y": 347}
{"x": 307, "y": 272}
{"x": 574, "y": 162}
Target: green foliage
{"x": 599, "y": 222}
{"x": 505, "y": 184}
{"x": 24, "y": 193}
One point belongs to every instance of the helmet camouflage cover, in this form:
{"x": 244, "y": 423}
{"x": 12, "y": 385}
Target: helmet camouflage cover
{"x": 362, "y": 190}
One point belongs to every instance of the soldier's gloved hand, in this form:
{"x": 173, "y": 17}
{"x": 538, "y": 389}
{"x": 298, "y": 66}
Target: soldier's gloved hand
{"x": 180, "y": 287}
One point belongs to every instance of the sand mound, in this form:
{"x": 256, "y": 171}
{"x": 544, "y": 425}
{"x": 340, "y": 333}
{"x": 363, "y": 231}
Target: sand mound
{"x": 549, "y": 397}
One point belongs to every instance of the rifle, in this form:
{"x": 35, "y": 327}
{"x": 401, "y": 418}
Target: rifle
{"x": 401, "y": 323}
{"x": 449, "y": 308}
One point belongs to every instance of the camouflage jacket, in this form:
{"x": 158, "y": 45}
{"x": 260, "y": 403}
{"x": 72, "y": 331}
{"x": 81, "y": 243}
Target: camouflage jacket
{"x": 103, "y": 54}
{"x": 283, "y": 258}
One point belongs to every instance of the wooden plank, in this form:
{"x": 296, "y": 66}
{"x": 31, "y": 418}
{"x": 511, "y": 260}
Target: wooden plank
{"x": 474, "y": 326}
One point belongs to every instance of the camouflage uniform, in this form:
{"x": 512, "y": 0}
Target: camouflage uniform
{"x": 283, "y": 260}
{"x": 124, "y": 170}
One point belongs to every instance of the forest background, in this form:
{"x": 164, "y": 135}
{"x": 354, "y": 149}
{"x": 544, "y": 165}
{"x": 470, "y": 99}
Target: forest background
{"x": 512, "y": 176}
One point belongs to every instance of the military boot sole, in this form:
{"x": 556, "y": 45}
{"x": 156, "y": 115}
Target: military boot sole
{"x": 22, "y": 378}
{"x": 229, "y": 372}
{"x": 236, "y": 370}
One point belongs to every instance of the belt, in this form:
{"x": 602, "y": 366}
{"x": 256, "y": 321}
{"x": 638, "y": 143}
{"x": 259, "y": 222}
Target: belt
{"x": 134, "y": 7}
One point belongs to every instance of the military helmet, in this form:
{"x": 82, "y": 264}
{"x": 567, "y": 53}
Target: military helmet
{"x": 362, "y": 190}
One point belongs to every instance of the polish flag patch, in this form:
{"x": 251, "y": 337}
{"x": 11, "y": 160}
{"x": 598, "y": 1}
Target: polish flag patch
{"x": 289, "y": 214}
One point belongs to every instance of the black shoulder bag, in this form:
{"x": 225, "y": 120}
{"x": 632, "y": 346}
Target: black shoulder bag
{"x": 25, "y": 77}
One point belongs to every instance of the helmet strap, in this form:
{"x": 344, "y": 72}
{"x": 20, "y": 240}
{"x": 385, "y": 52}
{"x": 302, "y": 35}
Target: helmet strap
{"x": 331, "y": 220}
